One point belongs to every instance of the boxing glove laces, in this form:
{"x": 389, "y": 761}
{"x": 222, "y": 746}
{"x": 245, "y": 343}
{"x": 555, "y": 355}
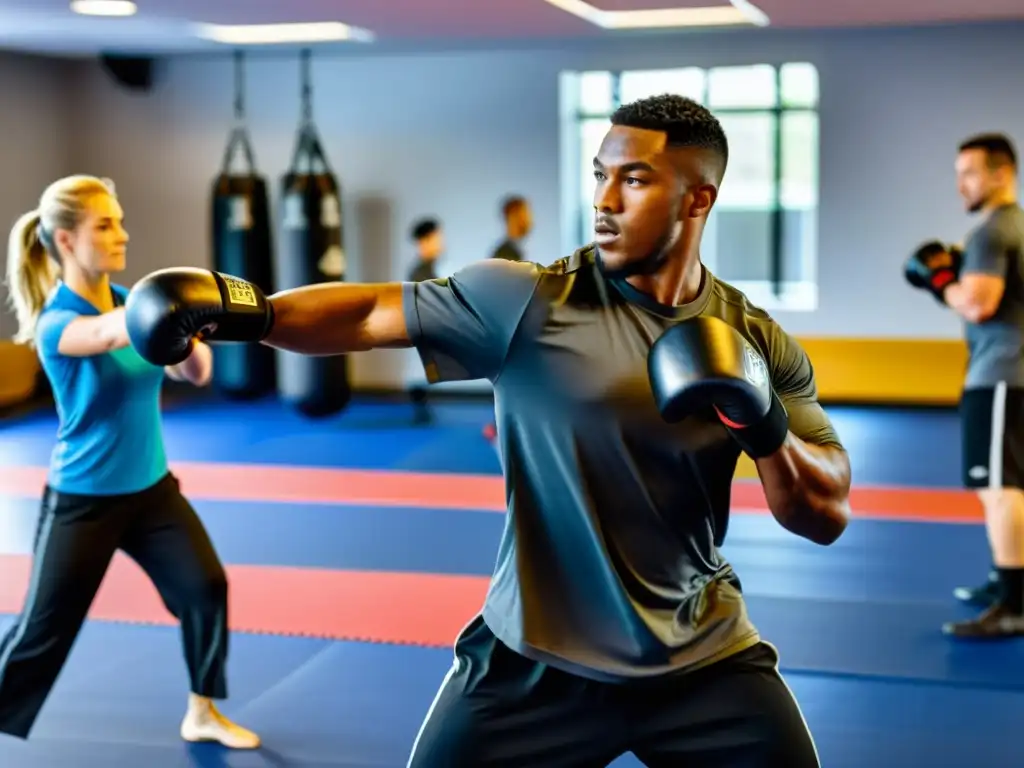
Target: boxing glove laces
{"x": 705, "y": 363}
{"x": 168, "y": 308}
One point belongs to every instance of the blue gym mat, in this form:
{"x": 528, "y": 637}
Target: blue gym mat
{"x": 371, "y": 435}
{"x": 857, "y": 624}
{"x": 355, "y": 705}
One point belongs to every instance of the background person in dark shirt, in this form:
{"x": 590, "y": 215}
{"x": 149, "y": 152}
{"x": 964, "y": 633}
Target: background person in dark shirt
{"x": 518, "y": 217}
{"x": 428, "y": 237}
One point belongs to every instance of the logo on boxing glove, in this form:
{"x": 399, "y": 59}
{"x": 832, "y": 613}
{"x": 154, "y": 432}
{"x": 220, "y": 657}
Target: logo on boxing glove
{"x": 240, "y": 292}
{"x": 754, "y": 367}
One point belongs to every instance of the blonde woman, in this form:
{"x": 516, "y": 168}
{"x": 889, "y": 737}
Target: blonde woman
{"x": 108, "y": 485}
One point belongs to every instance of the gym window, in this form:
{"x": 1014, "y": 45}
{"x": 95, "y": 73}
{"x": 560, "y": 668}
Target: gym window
{"x": 762, "y": 234}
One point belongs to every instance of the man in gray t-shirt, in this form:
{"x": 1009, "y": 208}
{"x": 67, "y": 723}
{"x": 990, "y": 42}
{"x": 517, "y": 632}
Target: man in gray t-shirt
{"x": 627, "y": 381}
{"x": 987, "y": 290}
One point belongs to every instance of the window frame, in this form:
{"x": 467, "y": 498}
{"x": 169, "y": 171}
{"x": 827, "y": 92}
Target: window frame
{"x": 795, "y": 294}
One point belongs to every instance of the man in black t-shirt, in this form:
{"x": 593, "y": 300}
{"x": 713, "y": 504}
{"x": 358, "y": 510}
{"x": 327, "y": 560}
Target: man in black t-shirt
{"x": 518, "y": 218}
{"x": 428, "y": 237}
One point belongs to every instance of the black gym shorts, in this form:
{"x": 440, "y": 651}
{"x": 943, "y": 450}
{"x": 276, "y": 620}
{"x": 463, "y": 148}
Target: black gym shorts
{"x": 497, "y": 709}
{"x": 992, "y": 423}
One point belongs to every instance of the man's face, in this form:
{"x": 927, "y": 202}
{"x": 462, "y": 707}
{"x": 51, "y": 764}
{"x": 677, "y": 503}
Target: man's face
{"x": 641, "y": 198}
{"x": 521, "y": 220}
{"x": 431, "y": 246}
{"x": 975, "y": 180}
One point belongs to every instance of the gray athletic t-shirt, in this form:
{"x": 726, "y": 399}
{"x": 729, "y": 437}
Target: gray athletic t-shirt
{"x": 609, "y": 564}
{"x": 996, "y": 346}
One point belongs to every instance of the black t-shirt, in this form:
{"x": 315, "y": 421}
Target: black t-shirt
{"x": 421, "y": 270}
{"x": 609, "y": 564}
{"x": 508, "y": 250}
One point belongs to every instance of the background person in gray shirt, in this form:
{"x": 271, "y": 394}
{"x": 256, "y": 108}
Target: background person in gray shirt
{"x": 987, "y": 290}
{"x": 613, "y": 623}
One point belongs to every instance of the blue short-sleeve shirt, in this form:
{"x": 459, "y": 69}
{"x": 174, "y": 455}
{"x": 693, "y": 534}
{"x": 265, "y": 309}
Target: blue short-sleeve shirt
{"x": 110, "y": 439}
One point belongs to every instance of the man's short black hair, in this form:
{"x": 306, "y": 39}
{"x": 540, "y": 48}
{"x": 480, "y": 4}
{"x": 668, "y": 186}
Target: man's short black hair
{"x": 998, "y": 148}
{"x": 684, "y": 121}
{"x": 424, "y": 228}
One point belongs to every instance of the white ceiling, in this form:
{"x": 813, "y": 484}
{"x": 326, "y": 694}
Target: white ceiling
{"x": 164, "y": 26}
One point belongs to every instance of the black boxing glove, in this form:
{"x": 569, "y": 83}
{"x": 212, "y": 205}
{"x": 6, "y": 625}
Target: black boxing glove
{"x": 934, "y": 267}
{"x": 705, "y": 362}
{"x": 167, "y": 309}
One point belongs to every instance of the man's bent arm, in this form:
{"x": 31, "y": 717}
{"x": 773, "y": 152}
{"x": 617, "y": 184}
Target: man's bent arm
{"x": 335, "y": 318}
{"x": 975, "y": 297}
{"x": 808, "y": 488}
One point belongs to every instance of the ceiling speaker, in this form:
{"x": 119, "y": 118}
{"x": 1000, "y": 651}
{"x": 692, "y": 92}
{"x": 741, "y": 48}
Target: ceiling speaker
{"x": 132, "y": 72}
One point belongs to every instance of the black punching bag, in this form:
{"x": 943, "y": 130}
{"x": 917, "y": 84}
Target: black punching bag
{"x": 242, "y": 247}
{"x": 310, "y": 251}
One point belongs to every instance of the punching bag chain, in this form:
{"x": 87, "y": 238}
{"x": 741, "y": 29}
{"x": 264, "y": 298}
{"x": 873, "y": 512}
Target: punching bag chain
{"x": 239, "y": 87}
{"x": 307, "y": 88}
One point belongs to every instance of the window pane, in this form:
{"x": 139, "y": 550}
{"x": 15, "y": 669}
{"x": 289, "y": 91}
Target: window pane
{"x": 595, "y": 93}
{"x": 743, "y": 245}
{"x": 591, "y": 135}
{"x": 740, "y": 246}
{"x": 750, "y": 175}
{"x": 799, "y": 85}
{"x": 653, "y": 82}
{"x": 742, "y": 87}
{"x": 799, "y": 160}
{"x": 799, "y": 245}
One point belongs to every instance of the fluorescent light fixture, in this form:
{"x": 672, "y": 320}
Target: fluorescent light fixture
{"x": 735, "y": 13}
{"x": 269, "y": 34}
{"x": 104, "y": 7}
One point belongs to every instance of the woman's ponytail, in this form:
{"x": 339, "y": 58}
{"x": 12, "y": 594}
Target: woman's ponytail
{"x": 31, "y": 275}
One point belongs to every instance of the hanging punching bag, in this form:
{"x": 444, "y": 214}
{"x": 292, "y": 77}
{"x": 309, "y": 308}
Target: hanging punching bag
{"x": 311, "y": 250}
{"x": 242, "y": 246}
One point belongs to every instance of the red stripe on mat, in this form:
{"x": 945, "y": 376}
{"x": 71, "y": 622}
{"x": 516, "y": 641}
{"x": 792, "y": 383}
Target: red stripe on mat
{"x": 910, "y": 504}
{"x": 385, "y": 488}
{"x": 309, "y": 485}
{"x": 406, "y": 608}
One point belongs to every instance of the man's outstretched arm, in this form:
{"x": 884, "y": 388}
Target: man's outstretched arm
{"x": 335, "y": 318}
{"x": 461, "y": 326}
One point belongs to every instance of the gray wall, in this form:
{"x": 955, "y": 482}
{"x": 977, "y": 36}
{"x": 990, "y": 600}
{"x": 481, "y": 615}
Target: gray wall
{"x": 35, "y": 112}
